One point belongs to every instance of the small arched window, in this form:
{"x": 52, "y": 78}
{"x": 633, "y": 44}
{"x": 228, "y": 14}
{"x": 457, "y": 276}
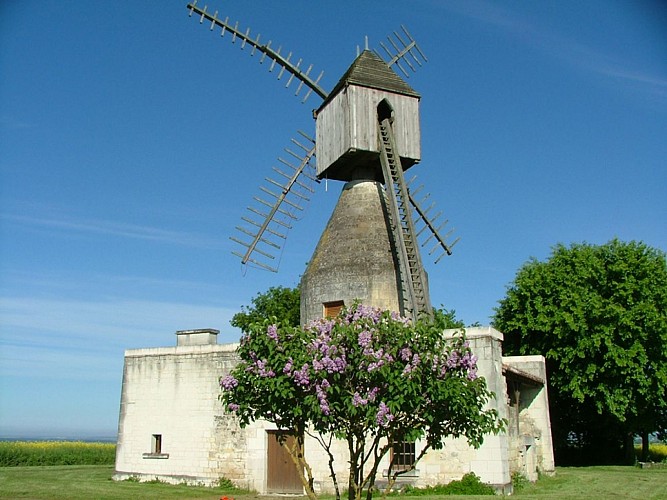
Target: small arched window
{"x": 385, "y": 111}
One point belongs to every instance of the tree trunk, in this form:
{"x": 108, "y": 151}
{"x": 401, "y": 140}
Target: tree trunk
{"x": 296, "y": 453}
{"x": 645, "y": 446}
{"x": 353, "y": 492}
{"x": 629, "y": 449}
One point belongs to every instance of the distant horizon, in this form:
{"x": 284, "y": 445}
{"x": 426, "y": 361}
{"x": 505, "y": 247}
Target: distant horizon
{"x": 58, "y": 434}
{"x": 94, "y": 438}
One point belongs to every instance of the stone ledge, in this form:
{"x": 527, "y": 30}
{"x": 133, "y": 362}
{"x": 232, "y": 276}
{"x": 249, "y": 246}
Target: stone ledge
{"x": 158, "y": 456}
{"x": 652, "y": 465}
{"x": 193, "y": 349}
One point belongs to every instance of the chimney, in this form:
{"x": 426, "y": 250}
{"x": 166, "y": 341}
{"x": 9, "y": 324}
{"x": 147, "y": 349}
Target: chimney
{"x": 204, "y": 336}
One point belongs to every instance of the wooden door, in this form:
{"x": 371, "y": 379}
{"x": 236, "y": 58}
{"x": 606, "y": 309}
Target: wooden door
{"x": 282, "y": 474}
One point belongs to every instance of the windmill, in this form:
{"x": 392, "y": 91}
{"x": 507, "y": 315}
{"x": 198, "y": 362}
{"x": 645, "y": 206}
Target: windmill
{"x": 367, "y": 135}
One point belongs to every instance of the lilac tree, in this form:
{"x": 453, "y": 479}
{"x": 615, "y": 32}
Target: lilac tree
{"x": 368, "y": 377}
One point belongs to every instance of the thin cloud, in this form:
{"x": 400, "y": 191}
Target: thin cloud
{"x": 111, "y": 228}
{"x": 488, "y": 13}
{"x": 55, "y": 283}
{"x": 42, "y": 362}
{"x": 646, "y": 82}
{"x": 116, "y": 321}
{"x": 565, "y": 49}
{"x": 67, "y": 338}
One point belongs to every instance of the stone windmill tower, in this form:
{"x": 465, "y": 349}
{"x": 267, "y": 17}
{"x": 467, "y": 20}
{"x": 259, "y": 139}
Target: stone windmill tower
{"x": 367, "y": 135}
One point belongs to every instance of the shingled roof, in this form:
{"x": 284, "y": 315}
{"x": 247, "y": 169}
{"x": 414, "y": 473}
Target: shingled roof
{"x": 369, "y": 70}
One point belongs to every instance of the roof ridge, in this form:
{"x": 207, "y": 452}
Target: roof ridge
{"x": 369, "y": 70}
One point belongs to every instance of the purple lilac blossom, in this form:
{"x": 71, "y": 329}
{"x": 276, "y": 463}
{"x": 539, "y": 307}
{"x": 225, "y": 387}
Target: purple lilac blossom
{"x": 357, "y": 400}
{"x": 469, "y": 360}
{"x": 364, "y": 312}
{"x": 384, "y": 416}
{"x": 380, "y": 356}
{"x": 272, "y": 332}
{"x": 233, "y": 407}
{"x": 336, "y": 365}
{"x": 375, "y": 365}
{"x": 397, "y": 317}
{"x": 301, "y": 376}
{"x": 365, "y": 338}
{"x": 261, "y": 369}
{"x": 228, "y": 382}
{"x": 322, "y": 396}
{"x": 321, "y": 326}
{"x": 453, "y": 360}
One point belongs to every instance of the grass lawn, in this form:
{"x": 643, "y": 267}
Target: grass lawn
{"x": 602, "y": 482}
{"x": 79, "y": 482}
{"x": 94, "y": 482}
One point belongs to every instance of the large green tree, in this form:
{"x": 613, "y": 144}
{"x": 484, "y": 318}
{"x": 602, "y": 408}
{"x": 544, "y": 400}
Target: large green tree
{"x": 599, "y": 316}
{"x": 277, "y": 302}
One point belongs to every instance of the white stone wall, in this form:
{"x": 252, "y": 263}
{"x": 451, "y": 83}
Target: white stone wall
{"x": 532, "y": 447}
{"x": 173, "y": 392}
{"x": 490, "y": 461}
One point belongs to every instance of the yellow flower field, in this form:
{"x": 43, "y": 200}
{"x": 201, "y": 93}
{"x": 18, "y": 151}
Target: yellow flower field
{"x": 657, "y": 452}
{"x": 19, "y": 453}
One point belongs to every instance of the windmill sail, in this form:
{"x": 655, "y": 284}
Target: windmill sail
{"x": 271, "y": 219}
{"x": 402, "y": 52}
{"x": 440, "y": 244}
{"x": 285, "y": 62}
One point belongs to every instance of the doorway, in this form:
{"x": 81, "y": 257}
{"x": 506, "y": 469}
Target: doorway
{"x": 282, "y": 475}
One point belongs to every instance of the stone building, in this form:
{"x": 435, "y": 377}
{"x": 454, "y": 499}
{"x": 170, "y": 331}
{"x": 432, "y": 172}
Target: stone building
{"x": 173, "y": 427}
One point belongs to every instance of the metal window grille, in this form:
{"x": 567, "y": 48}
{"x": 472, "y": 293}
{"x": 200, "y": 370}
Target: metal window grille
{"x": 403, "y": 455}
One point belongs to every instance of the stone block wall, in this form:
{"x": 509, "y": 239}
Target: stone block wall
{"x": 173, "y": 392}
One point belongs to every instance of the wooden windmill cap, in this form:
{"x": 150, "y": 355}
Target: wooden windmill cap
{"x": 369, "y": 70}
{"x": 347, "y": 125}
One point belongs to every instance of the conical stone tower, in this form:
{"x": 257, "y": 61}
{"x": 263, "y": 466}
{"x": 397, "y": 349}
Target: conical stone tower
{"x": 354, "y": 258}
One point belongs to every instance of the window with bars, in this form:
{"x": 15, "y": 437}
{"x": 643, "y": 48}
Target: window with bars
{"x": 403, "y": 456}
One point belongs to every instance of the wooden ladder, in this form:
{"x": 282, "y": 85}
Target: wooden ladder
{"x": 412, "y": 275}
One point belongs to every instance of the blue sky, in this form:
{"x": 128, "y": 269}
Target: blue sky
{"x": 132, "y": 139}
